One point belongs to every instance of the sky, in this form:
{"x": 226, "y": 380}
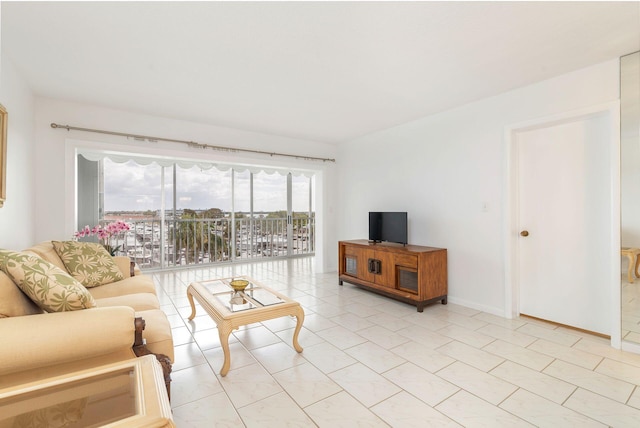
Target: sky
{"x": 132, "y": 187}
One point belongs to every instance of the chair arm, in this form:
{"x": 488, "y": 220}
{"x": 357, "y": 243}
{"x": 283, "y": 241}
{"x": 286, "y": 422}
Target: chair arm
{"x": 34, "y": 341}
{"x": 124, "y": 264}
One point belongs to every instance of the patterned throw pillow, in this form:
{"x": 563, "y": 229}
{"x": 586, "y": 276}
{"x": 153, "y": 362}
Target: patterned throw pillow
{"x": 48, "y": 286}
{"x": 88, "y": 262}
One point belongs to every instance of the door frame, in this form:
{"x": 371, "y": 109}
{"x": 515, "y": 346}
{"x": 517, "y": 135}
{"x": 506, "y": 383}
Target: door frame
{"x": 511, "y": 213}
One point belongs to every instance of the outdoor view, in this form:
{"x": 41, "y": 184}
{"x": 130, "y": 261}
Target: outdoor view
{"x": 212, "y": 216}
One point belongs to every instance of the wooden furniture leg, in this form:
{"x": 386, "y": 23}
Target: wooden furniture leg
{"x": 140, "y": 349}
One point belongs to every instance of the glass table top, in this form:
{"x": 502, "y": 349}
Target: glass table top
{"x": 254, "y": 296}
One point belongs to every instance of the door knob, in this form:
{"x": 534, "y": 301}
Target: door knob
{"x": 524, "y": 233}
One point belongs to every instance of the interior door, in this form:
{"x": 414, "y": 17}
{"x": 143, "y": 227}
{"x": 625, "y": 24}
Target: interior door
{"x": 564, "y": 211}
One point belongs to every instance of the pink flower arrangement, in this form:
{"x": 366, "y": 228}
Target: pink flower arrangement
{"x": 105, "y": 233}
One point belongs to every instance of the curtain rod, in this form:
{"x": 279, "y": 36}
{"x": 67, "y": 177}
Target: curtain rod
{"x": 189, "y": 143}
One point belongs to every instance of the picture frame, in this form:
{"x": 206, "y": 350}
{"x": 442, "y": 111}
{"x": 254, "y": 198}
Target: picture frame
{"x": 4, "y": 117}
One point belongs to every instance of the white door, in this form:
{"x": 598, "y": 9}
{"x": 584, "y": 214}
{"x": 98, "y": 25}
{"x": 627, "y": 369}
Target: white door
{"x": 564, "y": 202}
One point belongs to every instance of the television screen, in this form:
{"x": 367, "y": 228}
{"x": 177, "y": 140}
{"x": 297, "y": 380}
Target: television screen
{"x": 388, "y": 226}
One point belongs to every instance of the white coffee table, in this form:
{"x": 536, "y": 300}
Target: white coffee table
{"x": 231, "y": 310}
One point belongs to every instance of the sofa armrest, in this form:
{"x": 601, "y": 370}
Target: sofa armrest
{"x": 124, "y": 264}
{"x": 34, "y": 341}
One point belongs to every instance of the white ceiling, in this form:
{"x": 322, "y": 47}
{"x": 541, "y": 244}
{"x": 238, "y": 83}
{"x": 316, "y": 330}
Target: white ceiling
{"x": 322, "y": 71}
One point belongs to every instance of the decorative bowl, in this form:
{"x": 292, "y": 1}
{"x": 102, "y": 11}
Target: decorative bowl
{"x": 239, "y": 284}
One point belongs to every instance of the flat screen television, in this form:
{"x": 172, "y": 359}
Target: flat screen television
{"x": 388, "y": 226}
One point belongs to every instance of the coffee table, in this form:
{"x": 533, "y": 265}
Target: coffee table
{"x": 230, "y": 309}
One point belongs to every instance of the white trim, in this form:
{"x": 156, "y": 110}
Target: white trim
{"x": 510, "y": 209}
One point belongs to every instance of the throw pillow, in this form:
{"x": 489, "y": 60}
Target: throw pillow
{"x": 48, "y": 286}
{"x": 88, "y": 262}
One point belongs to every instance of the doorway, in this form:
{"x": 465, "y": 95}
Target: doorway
{"x": 560, "y": 239}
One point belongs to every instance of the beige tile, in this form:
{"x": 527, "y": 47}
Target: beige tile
{"x": 618, "y": 370}
{"x": 341, "y": 337}
{"x": 279, "y": 324}
{"x": 423, "y": 356}
{"x": 187, "y": 355}
{"x": 181, "y": 335}
{"x": 306, "y": 384}
{"x": 316, "y": 322}
{"x": 461, "y": 320}
{"x": 605, "y": 350}
{"x": 484, "y": 385}
{"x": 565, "y": 353}
{"x": 274, "y": 412}
{"x": 367, "y": 386}
{"x": 470, "y": 337}
{"x": 404, "y": 410}
{"x": 256, "y": 337}
{"x": 305, "y": 337}
{"x": 184, "y": 382}
{"x": 517, "y": 354}
{"x": 533, "y": 381}
{"x": 590, "y": 380}
{"x": 472, "y": 356}
{"x": 375, "y": 357}
{"x": 511, "y": 324}
{"x": 426, "y": 320}
{"x": 343, "y": 411}
{"x": 388, "y": 321}
{"x": 239, "y": 355}
{"x": 249, "y": 384}
{"x": 351, "y": 321}
{"x": 381, "y": 336}
{"x": 208, "y": 339}
{"x": 215, "y": 411}
{"x": 507, "y": 335}
{"x": 603, "y": 409}
{"x": 327, "y": 357}
{"x": 425, "y": 336}
{"x": 420, "y": 383}
{"x": 546, "y": 333}
{"x": 471, "y": 411}
{"x": 544, "y": 413}
{"x": 634, "y": 401}
{"x": 278, "y": 357}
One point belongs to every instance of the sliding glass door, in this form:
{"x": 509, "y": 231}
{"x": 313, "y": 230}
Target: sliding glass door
{"x": 182, "y": 215}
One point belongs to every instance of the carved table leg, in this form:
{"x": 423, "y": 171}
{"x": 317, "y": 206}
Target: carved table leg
{"x": 193, "y": 306}
{"x": 300, "y": 319}
{"x": 224, "y": 330}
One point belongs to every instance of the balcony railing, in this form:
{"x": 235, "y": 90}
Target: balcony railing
{"x": 186, "y": 242}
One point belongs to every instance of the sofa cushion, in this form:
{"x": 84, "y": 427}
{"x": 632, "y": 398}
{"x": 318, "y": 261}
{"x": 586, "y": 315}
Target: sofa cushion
{"x": 88, "y": 262}
{"x": 47, "y": 286}
{"x": 138, "y": 301}
{"x": 13, "y": 302}
{"x": 131, "y": 285}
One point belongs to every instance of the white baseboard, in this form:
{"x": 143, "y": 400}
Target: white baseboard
{"x": 473, "y": 305}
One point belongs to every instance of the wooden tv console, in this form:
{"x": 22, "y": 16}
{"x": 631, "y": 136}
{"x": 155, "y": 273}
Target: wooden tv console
{"x": 409, "y": 273}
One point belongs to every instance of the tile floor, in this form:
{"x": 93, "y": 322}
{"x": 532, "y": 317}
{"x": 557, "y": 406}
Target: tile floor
{"x": 369, "y": 361}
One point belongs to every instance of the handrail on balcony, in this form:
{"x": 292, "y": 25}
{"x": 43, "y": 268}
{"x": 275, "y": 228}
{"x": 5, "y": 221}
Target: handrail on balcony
{"x": 186, "y": 242}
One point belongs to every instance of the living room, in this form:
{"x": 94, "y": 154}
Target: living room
{"x": 446, "y": 164}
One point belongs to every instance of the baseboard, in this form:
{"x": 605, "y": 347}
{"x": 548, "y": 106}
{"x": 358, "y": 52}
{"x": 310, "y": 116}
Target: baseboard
{"x": 473, "y": 305}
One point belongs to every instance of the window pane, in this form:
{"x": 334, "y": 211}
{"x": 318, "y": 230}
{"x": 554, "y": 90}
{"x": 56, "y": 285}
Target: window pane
{"x": 201, "y": 190}
{"x": 131, "y": 188}
{"x": 269, "y": 193}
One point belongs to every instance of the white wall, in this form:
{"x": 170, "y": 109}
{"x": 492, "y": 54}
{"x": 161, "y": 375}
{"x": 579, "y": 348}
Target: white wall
{"x": 17, "y": 215}
{"x": 54, "y": 160}
{"x": 448, "y": 171}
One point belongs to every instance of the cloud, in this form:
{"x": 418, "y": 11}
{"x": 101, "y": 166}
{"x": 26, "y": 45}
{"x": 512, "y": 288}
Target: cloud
{"x": 132, "y": 187}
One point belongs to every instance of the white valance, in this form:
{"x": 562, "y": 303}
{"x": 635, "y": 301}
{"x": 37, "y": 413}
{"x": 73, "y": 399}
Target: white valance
{"x": 186, "y": 163}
